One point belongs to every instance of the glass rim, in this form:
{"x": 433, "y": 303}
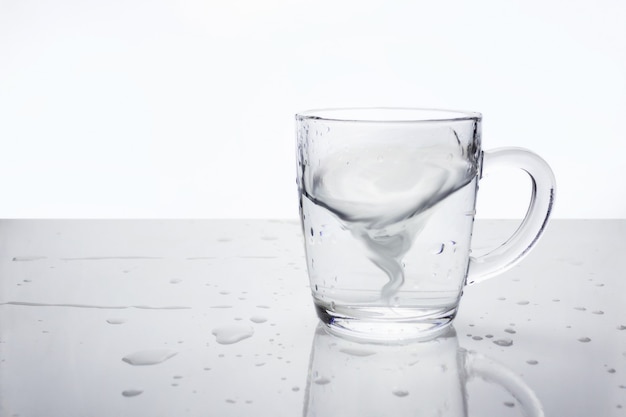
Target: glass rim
{"x": 391, "y": 115}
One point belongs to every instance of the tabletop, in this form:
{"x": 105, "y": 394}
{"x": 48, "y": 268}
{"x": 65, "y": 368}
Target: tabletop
{"x": 215, "y": 318}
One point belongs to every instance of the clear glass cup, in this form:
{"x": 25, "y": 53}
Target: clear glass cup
{"x": 387, "y": 202}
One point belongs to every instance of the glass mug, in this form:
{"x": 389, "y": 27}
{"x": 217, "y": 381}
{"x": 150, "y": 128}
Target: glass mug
{"x": 425, "y": 378}
{"x": 387, "y": 202}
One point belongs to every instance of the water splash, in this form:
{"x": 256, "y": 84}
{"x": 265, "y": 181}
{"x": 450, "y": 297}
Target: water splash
{"x": 386, "y": 204}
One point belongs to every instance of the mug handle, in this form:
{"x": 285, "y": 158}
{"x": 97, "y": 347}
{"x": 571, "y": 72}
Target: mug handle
{"x": 477, "y": 365}
{"x": 541, "y": 201}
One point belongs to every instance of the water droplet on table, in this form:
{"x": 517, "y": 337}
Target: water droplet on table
{"x": 131, "y": 392}
{"x": 149, "y": 357}
{"x": 503, "y": 342}
{"x": 230, "y": 334}
{"x": 258, "y": 319}
{"x": 27, "y": 258}
{"x": 400, "y": 393}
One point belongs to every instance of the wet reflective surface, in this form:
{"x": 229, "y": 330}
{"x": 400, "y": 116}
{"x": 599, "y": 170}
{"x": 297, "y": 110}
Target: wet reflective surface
{"x": 200, "y": 318}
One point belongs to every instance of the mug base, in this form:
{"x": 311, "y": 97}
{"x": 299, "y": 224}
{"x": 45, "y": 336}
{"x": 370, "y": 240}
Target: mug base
{"x": 364, "y": 325}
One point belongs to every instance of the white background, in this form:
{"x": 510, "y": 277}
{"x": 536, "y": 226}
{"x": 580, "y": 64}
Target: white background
{"x": 184, "y": 108}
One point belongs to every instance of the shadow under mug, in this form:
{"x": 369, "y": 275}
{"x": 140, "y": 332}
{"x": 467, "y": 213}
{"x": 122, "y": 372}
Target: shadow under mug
{"x": 387, "y": 203}
{"x": 428, "y": 378}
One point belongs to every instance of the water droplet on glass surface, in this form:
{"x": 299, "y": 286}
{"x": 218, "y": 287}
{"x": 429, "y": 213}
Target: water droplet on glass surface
{"x": 357, "y": 352}
{"x": 258, "y": 319}
{"x": 532, "y": 362}
{"x": 523, "y": 303}
{"x": 509, "y": 404}
{"x": 584, "y": 339}
{"x": 439, "y": 249}
{"x": 400, "y": 393}
{"x": 295, "y": 389}
{"x": 262, "y": 306}
{"x": 509, "y": 330}
{"x": 131, "y": 392}
{"x": 621, "y": 327}
{"x": 503, "y": 342}
{"x": 230, "y": 334}
{"x": 231, "y": 401}
{"x": 149, "y": 357}
{"x": 116, "y": 321}
{"x": 175, "y": 280}
{"x": 598, "y": 312}
{"x": 477, "y": 338}
{"x": 611, "y": 370}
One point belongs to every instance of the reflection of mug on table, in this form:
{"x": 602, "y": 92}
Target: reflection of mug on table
{"x": 387, "y": 203}
{"x": 348, "y": 378}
